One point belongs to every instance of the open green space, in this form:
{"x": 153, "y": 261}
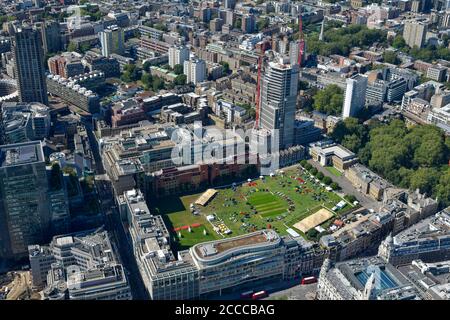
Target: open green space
{"x": 276, "y": 202}
{"x": 334, "y": 171}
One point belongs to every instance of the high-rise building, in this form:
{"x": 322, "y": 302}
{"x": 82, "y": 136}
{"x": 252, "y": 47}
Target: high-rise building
{"x": 112, "y": 41}
{"x": 229, "y": 4}
{"x": 355, "y": 95}
{"x": 278, "y": 99}
{"x": 24, "y": 213}
{"x": 195, "y": 71}
{"x": 29, "y": 65}
{"x": 51, "y": 36}
{"x": 248, "y": 24}
{"x": 178, "y": 55}
{"x": 414, "y": 33}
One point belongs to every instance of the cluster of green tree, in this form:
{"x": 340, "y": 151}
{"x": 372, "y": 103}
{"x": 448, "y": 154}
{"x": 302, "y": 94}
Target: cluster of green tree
{"x": 178, "y": 69}
{"x": 131, "y": 73}
{"x": 391, "y": 57}
{"x": 341, "y": 40}
{"x": 6, "y": 18}
{"x": 93, "y": 11}
{"x": 262, "y": 23}
{"x": 414, "y": 158}
{"x": 160, "y": 26}
{"x": 225, "y": 67}
{"x": 84, "y": 47}
{"x": 428, "y": 53}
{"x": 319, "y": 175}
{"x": 329, "y": 100}
{"x": 249, "y": 108}
{"x": 152, "y": 82}
{"x": 237, "y": 23}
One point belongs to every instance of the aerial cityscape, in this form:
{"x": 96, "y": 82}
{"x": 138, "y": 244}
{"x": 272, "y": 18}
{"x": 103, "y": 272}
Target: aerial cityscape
{"x": 225, "y": 150}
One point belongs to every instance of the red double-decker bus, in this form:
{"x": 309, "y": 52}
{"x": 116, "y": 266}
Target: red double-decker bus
{"x": 309, "y": 280}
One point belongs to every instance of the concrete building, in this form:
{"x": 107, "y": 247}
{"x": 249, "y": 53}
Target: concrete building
{"x": 165, "y": 277}
{"x": 51, "y": 36}
{"x": 25, "y": 121}
{"x": 414, "y": 33}
{"x": 73, "y": 93}
{"x": 29, "y": 65}
{"x": 278, "y": 100}
{"x": 112, "y": 40}
{"x": 364, "y": 279}
{"x": 366, "y": 181}
{"x": 248, "y": 24}
{"x": 66, "y": 65}
{"x": 80, "y": 266}
{"x": 428, "y": 240}
{"x": 437, "y": 73}
{"x": 178, "y": 55}
{"x": 355, "y": 96}
{"x": 24, "y": 213}
{"x": 195, "y": 71}
{"x": 330, "y": 154}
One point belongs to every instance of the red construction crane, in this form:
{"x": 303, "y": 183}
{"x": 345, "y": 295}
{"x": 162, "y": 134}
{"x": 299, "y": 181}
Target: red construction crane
{"x": 258, "y": 84}
{"x": 301, "y": 40}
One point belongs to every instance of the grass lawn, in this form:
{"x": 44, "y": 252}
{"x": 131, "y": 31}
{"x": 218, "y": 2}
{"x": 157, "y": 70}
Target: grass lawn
{"x": 277, "y": 202}
{"x": 334, "y": 171}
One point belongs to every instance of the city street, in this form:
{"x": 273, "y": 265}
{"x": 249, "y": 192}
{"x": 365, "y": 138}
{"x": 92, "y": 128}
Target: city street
{"x": 348, "y": 188}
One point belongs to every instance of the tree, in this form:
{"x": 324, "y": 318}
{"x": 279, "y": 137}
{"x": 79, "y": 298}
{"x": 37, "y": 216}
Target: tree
{"x": 308, "y": 166}
{"x": 130, "y": 73}
{"x": 391, "y": 57}
{"x": 146, "y": 66}
{"x": 443, "y": 188}
{"x": 147, "y": 80}
{"x": 158, "y": 84}
{"x": 237, "y": 23}
{"x": 399, "y": 42}
{"x": 180, "y": 79}
{"x": 350, "y": 198}
{"x": 178, "y": 69}
{"x": 329, "y": 100}
{"x": 72, "y": 47}
{"x": 312, "y": 233}
{"x": 262, "y": 24}
{"x": 303, "y": 163}
{"x": 335, "y": 186}
{"x": 424, "y": 179}
{"x": 327, "y": 180}
{"x": 314, "y": 171}
{"x": 225, "y": 67}
{"x": 320, "y": 175}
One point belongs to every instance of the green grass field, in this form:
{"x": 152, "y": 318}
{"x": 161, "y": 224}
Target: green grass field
{"x": 334, "y": 171}
{"x": 277, "y": 202}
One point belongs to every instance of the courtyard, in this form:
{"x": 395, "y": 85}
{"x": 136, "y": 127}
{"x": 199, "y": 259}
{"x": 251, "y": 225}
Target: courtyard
{"x": 278, "y": 202}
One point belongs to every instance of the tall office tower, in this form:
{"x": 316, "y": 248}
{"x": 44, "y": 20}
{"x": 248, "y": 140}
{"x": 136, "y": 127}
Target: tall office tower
{"x": 229, "y": 4}
{"x": 24, "y": 212}
{"x": 355, "y": 95}
{"x": 112, "y": 41}
{"x": 414, "y": 33}
{"x": 195, "y": 71}
{"x": 278, "y": 99}
{"x": 51, "y": 36}
{"x": 29, "y": 65}
{"x": 178, "y": 55}
{"x": 294, "y": 52}
{"x": 248, "y": 24}
{"x": 229, "y": 17}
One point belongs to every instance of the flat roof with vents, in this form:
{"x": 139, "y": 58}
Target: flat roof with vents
{"x": 21, "y": 153}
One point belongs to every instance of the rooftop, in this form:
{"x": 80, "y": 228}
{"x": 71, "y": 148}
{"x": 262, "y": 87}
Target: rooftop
{"x": 21, "y": 153}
